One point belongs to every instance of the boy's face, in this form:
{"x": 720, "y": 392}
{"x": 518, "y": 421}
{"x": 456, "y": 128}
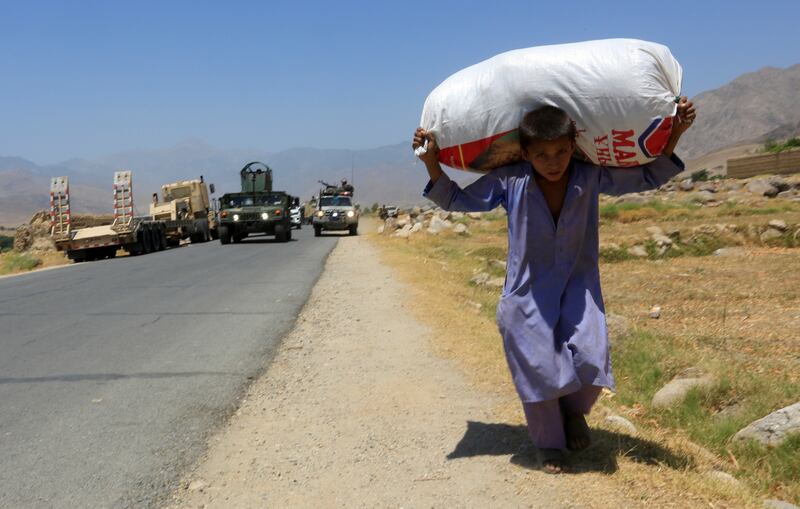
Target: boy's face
{"x": 550, "y": 158}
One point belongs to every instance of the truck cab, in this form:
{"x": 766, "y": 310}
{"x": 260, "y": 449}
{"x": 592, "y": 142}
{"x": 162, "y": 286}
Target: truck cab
{"x": 187, "y": 200}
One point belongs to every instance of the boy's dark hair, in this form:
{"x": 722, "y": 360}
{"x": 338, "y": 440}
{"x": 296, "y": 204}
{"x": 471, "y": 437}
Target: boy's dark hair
{"x": 545, "y": 123}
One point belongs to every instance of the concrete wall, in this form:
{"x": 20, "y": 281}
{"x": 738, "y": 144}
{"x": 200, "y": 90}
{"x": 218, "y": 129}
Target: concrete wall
{"x": 784, "y": 162}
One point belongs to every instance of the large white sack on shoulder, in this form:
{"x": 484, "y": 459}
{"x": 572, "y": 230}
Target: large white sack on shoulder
{"x": 620, "y": 93}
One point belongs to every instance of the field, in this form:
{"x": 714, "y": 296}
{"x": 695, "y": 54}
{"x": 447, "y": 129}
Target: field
{"x": 733, "y": 315}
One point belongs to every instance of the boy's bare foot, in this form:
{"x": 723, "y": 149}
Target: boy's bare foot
{"x": 552, "y": 460}
{"x": 577, "y": 432}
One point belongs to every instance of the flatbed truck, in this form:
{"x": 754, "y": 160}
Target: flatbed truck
{"x": 135, "y": 234}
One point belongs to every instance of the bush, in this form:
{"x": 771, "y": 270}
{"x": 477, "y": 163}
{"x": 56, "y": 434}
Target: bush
{"x": 18, "y": 262}
{"x": 700, "y": 176}
{"x": 772, "y": 146}
{"x": 6, "y": 243}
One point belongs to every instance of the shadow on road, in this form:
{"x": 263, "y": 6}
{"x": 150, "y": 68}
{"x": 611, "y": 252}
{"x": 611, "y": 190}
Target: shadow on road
{"x": 106, "y": 377}
{"x": 262, "y": 240}
{"x": 494, "y": 439}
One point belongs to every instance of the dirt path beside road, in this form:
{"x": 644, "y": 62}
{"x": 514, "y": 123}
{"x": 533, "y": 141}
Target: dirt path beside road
{"x": 357, "y": 411}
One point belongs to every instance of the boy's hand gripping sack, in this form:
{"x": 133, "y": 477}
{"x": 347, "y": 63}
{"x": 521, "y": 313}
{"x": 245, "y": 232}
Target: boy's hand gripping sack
{"x": 620, "y": 93}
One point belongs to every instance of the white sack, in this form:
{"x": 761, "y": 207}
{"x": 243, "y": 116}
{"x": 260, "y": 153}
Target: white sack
{"x": 620, "y": 92}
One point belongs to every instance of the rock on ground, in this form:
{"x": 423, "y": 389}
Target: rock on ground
{"x": 774, "y": 503}
{"x": 618, "y": 326}
{"x": 724, "y": 477}
{"x": 620, "y": 424}
{"x": 438, "y": 225}
{"x": 677, "y": 388}
{"x": 638, "y": 251}
{"x": 762, "y": 188}
{"x": 770, "y": 234}
{"x": 774, "y": 428}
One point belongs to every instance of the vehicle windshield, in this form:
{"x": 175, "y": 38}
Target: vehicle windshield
{"x": 176, "y": 193}
{"x": 335, "y": 201}
{"x": 259, "y": 200}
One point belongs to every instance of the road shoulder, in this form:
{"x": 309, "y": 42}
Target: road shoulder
{"x": 357, "y": 410}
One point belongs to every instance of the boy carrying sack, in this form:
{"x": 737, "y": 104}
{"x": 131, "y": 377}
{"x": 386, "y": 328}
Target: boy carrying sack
{"x": 551, "y": 314}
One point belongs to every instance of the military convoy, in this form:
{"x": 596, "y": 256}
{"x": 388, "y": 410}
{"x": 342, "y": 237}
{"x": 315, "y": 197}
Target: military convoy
{"x": 184, "y": 211}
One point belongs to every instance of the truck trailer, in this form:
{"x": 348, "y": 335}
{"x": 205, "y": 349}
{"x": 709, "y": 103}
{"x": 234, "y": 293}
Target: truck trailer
{"x": 135, "y": 234}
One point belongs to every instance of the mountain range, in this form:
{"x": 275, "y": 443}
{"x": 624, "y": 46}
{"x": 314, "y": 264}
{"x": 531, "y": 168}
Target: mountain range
{"x": 752, "y": 108}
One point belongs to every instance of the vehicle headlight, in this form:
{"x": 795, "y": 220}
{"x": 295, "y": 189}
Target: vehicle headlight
{"x": 264, "y": 216}
{"x": 236, "y": 217}
{"x": 320, "y": 213}
{"x": 350, "y": 213}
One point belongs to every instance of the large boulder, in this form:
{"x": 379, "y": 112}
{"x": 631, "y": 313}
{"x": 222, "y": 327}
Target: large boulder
{"x": 404, "y": 232}
{"x": 774, "y": 428}
{"x": 35, "y": 233}
{"x": 390, "y": 225}
{"x": 403, "y": 220}
{"x": 762, "y": 188}
{"x": 438, "y": 225}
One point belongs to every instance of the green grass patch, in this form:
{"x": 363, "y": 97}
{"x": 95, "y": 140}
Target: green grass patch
{"x": 490, "y": 253}
{"x": 774, "y": 147}
{"x": 630, "y": 212}
{"x": 699, "y": 245}
{"x": 11, "y": 262}
{"x": 736, "y": 210}
{"x": 644, "y": 362}
{"x": 614, "y": 254}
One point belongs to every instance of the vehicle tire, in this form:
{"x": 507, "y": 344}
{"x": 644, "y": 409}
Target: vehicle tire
{"x": 145, "y": 240}
{"x": 287, "y": 236}
{"x": 317, "y": 231}
{"x": 77, "y": 256}
{"x": 162, "y": 237}
{"x": 112, "y": 252}
{"x": 155, "y": 243}
{"x": 353, "y": 229}
{"x": 224, "y": 235}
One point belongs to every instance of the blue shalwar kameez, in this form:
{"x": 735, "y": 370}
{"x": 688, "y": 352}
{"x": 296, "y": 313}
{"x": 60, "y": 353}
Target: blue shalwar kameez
{"x": 551, "y": 314}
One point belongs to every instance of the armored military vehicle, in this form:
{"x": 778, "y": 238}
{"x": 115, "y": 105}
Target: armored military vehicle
{"x": 257, "y": 209}
{"x": 336, "y": 210}
{"x": 187, "y": 211}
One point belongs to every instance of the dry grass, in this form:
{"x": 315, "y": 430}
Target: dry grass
{"x": 12, "y": 262}
{"x": 734, "y": 316}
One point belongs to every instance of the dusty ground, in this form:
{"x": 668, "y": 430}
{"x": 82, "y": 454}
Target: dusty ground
{"x": 357, "y": 411}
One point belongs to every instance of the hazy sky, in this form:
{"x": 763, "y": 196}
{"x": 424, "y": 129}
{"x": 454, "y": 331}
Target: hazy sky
{"x": 84, "y": 78}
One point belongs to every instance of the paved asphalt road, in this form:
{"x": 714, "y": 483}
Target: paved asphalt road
{"x": 113, "y": 373}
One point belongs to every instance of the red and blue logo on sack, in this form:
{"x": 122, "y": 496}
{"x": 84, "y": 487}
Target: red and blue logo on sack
{"x": 655, "y": 137}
